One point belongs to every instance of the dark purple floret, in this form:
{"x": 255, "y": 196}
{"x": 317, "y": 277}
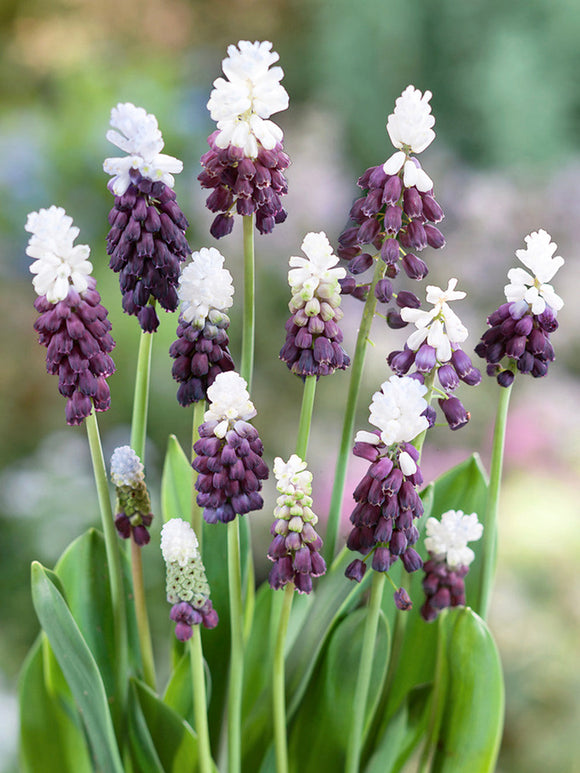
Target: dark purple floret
{"x": 313, "y": 343}
{"x": 147, "y": 245}
{"x": 443, "y": 586}
{"x": 244, "y": 186}
{"x": 75, "y": 332}
{"x": 199, "y": 355}
{"x": 185, "y": 616}
{"x": 230, "y": 472}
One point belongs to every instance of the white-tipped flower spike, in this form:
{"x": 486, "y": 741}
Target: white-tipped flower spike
{"x": 533, "y": 288}
{"x": 179, "y": 544}
{"x": 252, "y": 92}
{"x": 410, "y": 130}
{"x": 205, "y": 284}
{"x": 139, "y": 136}
{"x": 396, "y": 410}
{"x": 59, "y": 264}
{"x": 440, "y": 327}
{"x": 126, "y": 467}
{"x": 229, "y": 402}
{"x": 316, "y": 272}
{"x": 292, "y": 476}
{"x": 447, "y": 539}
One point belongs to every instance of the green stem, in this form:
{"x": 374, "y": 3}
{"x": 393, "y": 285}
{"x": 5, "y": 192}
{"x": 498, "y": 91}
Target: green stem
{"x": 349, "y": 414}
{"x": 306, "y": 416}
{"x": 236, "y": 649}
{"x": 113, "y": 560}
{"x": 141, "y": 615}
{"x": 278, "y": 684}
{"x": 356, "y": 735}
{"x": 200, "y": 703}
{"x": 196, "y": 510}
{"x": 489, "y": 541}
{"x": 141, "y": 397}
{"x": 437, "y": 696}
{"x": 249, "y": 312}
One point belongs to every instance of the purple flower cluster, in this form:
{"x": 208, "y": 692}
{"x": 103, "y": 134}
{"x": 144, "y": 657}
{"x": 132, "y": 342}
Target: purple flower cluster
{"x": 387, "y": 504}
{"x": 313, "y": 343}
{"x": 398, "y": 222}
{"x": 76, "y": 334}
{"x": 185, "y": 616}
{"x": 296, "y": 556}
{"x": 200, "y": 354}
{"x": 444, "y": 586}
{"x": 520, "y": 336}
{"x": 253, "y": 186}
{"x": 230, "y": 471}
{"x": 147, "y": 245}
{"x": 136, "y": 526}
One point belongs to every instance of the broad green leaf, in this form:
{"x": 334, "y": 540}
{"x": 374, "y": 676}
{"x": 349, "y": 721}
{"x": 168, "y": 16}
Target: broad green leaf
{"x": 144, "y": 754}
{"x": 176, "y": 483}
{"x": 323, "y": 720}
{"x": 473, "y": 711}
{"x": 51, "y": 738}
{"x": 78, "y": 666}
{"x": 172, "y": 737}
{"x": 403, "y": 734}
{"x": 179, "y": 692}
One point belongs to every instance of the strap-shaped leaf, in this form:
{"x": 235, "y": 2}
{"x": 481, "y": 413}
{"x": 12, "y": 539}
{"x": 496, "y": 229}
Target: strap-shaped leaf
{"x": 176, "y": 482}
{"x": 51, "y": 739}
{"x": 473, "y": 710}
{"x": 78, "y": 667}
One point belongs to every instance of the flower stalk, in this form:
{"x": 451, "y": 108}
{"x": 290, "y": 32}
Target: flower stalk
{"x": 278, "y": 682}
{"x": 142, "y": 617}
{"x": 200, "y": 702}
{"x": 141, "y": 395}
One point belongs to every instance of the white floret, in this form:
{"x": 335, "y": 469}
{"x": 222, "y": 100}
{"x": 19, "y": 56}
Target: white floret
{"x": 447, "y": 538}
{"x": 179, "y": 544}
{"x": 126, "y": 467}
{"x": 204, "y": 285}
{"x": 229, "y": 401}
{"x": 396, "y": 410}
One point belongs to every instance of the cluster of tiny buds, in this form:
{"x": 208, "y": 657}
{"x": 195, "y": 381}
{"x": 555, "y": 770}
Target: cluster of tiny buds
{"x": 134, "y": 515}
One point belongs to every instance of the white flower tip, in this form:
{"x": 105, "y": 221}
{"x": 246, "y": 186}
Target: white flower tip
{"x": 410, "y": 125}
{"x": 179, "y": 543}
{"x": 204, "y": 285}
{"x": 447, "y": 538}
{"x": 229, "y": 401}
{"x": 126, "y": 467}
{"x": 396, "y": 409}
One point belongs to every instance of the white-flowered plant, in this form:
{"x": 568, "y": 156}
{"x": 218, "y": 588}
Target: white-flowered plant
{"x": 533, "y": 288}
{"x": 252, "y": 93}
{"x": 59, "y": 264}
{"x": 179, "y": 544}
{"x": 204, "y": 285}
{"x": 440, "y": 327}
{"x": 126, "y": 467}
{"x": 447, "y": 538}
{"x": 139, "y": 136}
{"x": 316, "y": 274}
{"x": 229, "y": 402}
{"x": 410, "y": 128}
{"x": 396, "y": 410}
{"x": 185, "y": 579}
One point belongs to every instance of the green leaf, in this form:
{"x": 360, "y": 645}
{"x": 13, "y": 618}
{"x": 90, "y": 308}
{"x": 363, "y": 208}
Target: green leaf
{"x": 323, "y": 719}
{"x": 473, "y": 710}
{"x": 176, "y": 483}
{"x": 162, "y": 731}
{"x": 51, "y": 737}
{"x": 78, "y": 666}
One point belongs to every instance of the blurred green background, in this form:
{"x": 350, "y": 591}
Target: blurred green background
{"x": 506, "y": 161}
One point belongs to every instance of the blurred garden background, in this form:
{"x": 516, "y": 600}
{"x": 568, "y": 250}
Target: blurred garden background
{"x": 506, "y": 162}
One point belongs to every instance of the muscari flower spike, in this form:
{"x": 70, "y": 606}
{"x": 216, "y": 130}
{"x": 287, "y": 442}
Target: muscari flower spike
{"x": 519, "y": 334}
{"x": 295, "y": 548}
{"x": 73, "y": 324}
{"x": 228, "y": 453}
{"x": 201, "y": 350}
{"x": 134, "y": 515}
{"x": 434, "y": 347}
{"x": 147, "y": 241}
{"x": 449, "y": 560}
{"x": 246, "y": 161}
{"x": 387, "y": 499}
{"x": 396, "y": 216}
{"x": 187, "y": 586}
{"x": 313, "y": 337}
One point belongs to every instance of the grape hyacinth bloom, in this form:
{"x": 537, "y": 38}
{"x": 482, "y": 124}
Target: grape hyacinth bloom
{"x": 187, "y": 585}
{"x": 313, "y": 337}
{"x": 434, "y": 349}
{"x": 229, "y": 453}
{"x": 147, "y": 241}
{"x": 449, "y": 560}
{"x": 134, "y": 515}
{"x": 519, "y": 332}
{"x": 295, "y": 548}
{"x": 73, "y": 325}
{"x": 246, "y": 160}
{"x": 201, "y": 349}
{"x": 396, "y": 216}
{"x": 386, "y": 497}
